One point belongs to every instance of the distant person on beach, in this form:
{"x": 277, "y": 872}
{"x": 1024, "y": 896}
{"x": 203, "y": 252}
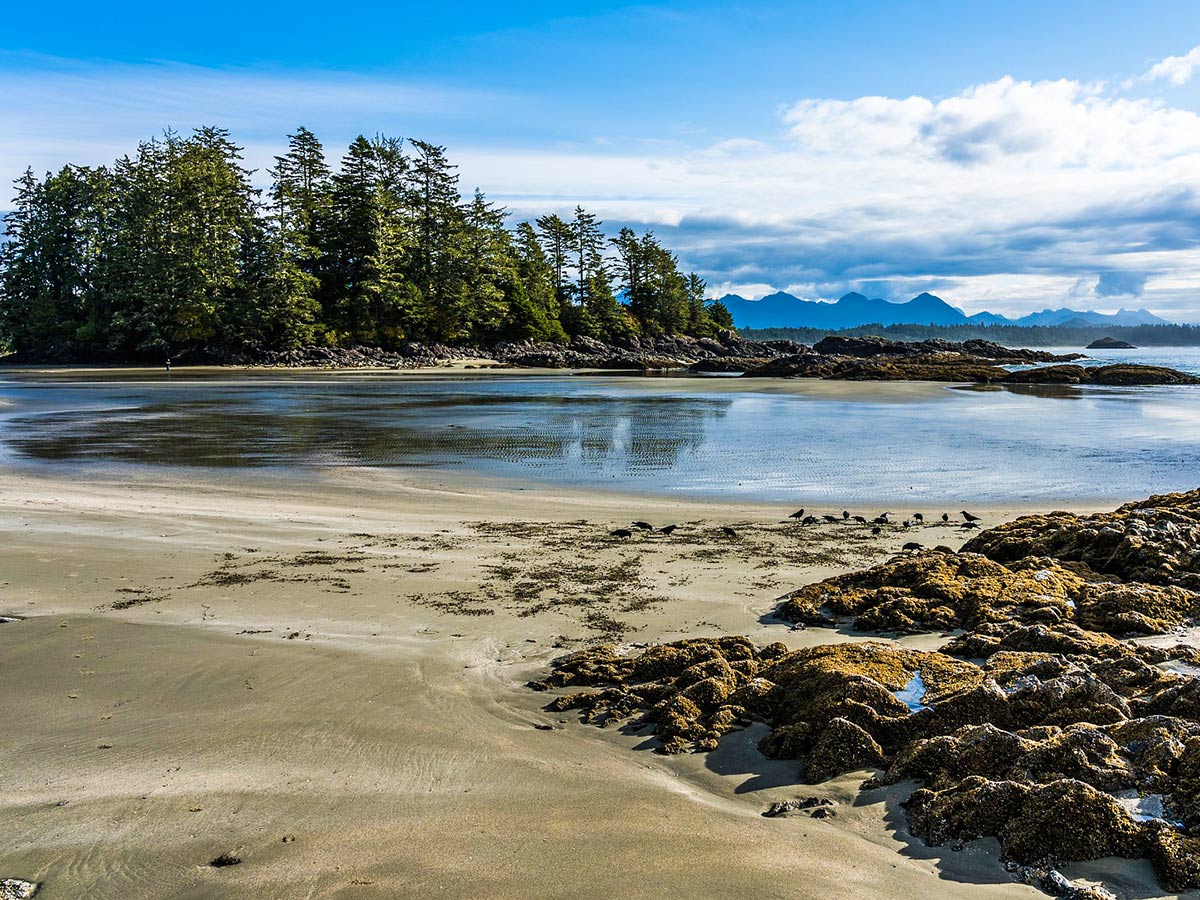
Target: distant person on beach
{"x": 168, "y": 365}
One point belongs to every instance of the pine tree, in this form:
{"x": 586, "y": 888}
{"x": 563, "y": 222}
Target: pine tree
{"x": 172, "y": 250}
{"x": 535, "y": 310}
{"x": 555, "y": 236}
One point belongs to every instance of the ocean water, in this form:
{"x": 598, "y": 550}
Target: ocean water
{"x": 773, "y": 440}
{"x": 1185, "y": 359}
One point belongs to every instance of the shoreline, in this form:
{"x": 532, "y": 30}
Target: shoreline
{"x": 314, "y": 661}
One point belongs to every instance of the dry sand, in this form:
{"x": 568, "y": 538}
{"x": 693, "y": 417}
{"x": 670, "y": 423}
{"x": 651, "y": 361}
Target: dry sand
{"x": 325, "y": 679}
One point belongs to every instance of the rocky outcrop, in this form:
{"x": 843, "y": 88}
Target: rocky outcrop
{"x": 1038, "y": 725}
{"x": 936, "y": 590}
{"x": 979, "y": 362}
{"x": 1115, "y": 375}
{"x": 725, "y": 354}
{"x": 1155, "y": 541}
{"x": 1061, "y": 757}
{"x": 872, "y": 346}
{"x": 1109, "y": 343}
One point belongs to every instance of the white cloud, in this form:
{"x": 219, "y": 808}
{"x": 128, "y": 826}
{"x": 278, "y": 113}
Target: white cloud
{"x": 1176, "y": 69}
{"x": 1044, "y": 123}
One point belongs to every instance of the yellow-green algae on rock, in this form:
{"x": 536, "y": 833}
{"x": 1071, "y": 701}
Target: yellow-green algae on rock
{"x": 1036, "y": 725}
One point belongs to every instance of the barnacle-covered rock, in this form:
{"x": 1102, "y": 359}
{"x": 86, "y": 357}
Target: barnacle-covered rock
{"x": 1154, "y": 541}
{"x": 1064, "y": 819}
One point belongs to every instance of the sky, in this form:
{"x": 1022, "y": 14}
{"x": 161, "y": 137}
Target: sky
{"x": 1007, "y": 156}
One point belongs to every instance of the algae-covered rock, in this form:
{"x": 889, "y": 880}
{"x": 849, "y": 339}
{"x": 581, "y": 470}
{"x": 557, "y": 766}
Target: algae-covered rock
{"x": 1175, "y": 857}
{"x": 842, "y": 747}
{"x": 1136, "y": 374}
{"x": 1065, "y": 819}
{"x": 1155, "y": 541}
{"x": 934, "y": 590}
{"x": 1041, "y": 724}
{"x": 939, "y": 591}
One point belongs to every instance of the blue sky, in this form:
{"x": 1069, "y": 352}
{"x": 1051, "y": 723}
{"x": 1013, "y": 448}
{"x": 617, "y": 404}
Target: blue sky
{"x": 1008, "y": 156}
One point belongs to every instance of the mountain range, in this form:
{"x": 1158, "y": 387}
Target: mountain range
{"x": 783, "y": 310}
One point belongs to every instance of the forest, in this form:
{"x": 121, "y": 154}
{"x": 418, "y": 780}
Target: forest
{"x": 173, "y": 252}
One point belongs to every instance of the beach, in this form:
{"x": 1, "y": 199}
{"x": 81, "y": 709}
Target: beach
{"x": 303, "y": 675}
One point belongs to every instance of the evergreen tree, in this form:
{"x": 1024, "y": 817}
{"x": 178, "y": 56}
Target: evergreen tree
{"x": 171, "y": 250}
{"x": 365, "y": 292}
{"x": 555, "y": 236}
{"x": 432, "y": 196}
{"x": 535, "y": 311}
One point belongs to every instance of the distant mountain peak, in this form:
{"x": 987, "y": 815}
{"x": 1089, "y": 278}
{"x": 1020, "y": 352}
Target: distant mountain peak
{"x": 784, "y": 310}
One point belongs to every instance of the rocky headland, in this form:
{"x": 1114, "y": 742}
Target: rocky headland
{"x": 1057, "y": 718}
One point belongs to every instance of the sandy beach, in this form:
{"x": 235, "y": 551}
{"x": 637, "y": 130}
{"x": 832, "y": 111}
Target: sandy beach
{"x": 325, "y": 679}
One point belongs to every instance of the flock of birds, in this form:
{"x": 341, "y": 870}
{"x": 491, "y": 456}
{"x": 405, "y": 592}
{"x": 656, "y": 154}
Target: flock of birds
{"x": 877, "y": 524}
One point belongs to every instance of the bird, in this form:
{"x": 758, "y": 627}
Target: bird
{"x": 876, "y": 530}
{"x": 667, "y": 529}
{"x": 621, "y": 532}
{"x": 798, "y": 514}
{"x": 969, "y": 525}
{"x": 810, "y": 520}
{"x": 830, "y": 518}
{"x": 917, "y": 517}
{"x": 970, "y": 518}
{"x": 908, "y": 523}
{"x": 881, "y": 520}
{"x": 845, "y": 515}
{"x": 729, "y": 532}
{"x": 911, "y": 545}
{"x": 945, "y": 517}
{"x": 861, "y": 520}
{"x": 645, "y": 526}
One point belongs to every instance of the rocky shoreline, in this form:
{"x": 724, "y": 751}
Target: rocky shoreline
{"x": 834, "y": 358}
{"x": 1047, "y": 721}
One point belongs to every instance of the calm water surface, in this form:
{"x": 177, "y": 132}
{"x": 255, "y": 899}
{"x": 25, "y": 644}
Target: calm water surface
{"x": 761, "y": 439}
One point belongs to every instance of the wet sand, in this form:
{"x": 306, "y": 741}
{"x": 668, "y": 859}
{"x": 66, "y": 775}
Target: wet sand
{"x": 325, "y": 679}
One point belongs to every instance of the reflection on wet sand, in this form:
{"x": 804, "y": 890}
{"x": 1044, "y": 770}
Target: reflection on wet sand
{"x": 366, "y": 428}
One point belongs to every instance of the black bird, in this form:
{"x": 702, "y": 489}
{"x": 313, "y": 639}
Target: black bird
{"x": 969, "y": 525}
{"x": 970, "y": 518}
{"x": 881, "y": 520}
{"x": 861, "y": 520}
{"x": 917, "y": 517}
{"x": 729, "y": 532}
{"x": 621, "y": 532}
{"x": 830, "y": 518}
{"x": 645, "y": 526}
{"x": 876, "y": 530}
{"x": 810, "y": 520}
{"x": 845, "y": 514}
{"x": 908, "y": 523}
{"x": 798, "y": 514}
{"x": 945, "y": 517}
{"x": 667, "y": 529}
{"x": 911, "y": 545}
